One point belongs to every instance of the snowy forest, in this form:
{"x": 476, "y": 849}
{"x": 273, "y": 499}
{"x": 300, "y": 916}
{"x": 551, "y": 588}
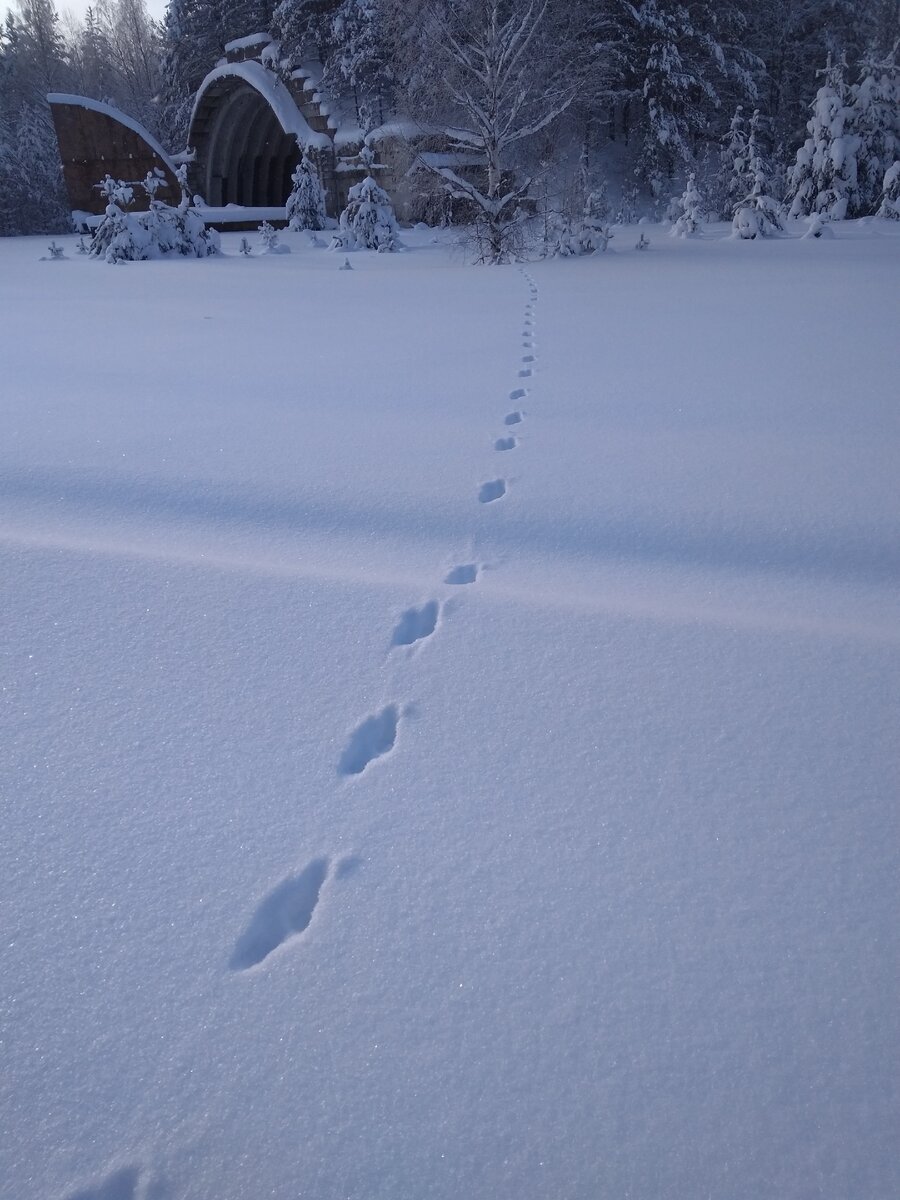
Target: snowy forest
{"x": 589, "y": 96}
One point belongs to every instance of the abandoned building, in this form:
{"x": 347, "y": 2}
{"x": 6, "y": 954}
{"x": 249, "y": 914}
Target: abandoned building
{"x": 247, "y": 129}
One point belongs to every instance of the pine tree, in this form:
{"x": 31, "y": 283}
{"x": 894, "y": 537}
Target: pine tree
{"x": 368, "y": 222}
{"x": 305, "y": 207}
{"x": 824, "y": 177}
{"x": 690, "y": 208}
{"x": 360, "y": 58}
{"x": 876, "y": 122}
{"x": 734, "y": 178}
{"x": 889, "y": 205}
{"x": 304, "y": 28}
{"x": 759, "y": 213}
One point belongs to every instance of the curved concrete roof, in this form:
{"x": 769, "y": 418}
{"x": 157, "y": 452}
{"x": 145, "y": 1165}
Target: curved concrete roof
{"x": 274, "y": 93}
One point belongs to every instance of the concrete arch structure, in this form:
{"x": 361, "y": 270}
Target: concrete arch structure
{"x": 245, "y": 129}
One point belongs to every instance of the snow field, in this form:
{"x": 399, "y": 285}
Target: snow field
{"x": 391, "y": 812}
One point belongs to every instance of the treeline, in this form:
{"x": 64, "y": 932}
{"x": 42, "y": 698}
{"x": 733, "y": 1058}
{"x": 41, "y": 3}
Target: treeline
{"x": 649, "y": 90}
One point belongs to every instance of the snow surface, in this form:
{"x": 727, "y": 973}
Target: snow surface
{"x": 364, "y": 840}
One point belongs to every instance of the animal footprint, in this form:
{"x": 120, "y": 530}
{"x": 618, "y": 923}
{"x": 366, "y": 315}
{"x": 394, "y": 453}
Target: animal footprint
{"x": 373, "y": 739}
{"x": 507, "y": 443}
{"x": 526, "y": 358}
{"x": 285, "y": 913}
{"x": 525, "y": 373}
{"x": 416, "y": 624}
{"x": 467, "y": 573}
{"x": 492, "y": 490}
{"x": 513, "y": 418}
{"x": 518, "y": 394}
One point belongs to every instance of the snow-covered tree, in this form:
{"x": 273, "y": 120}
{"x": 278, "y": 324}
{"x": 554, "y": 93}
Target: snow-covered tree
{"x": 889, "y": 205}
{"x": 303, "y": 27}
{"x": 482, "y": 74}
{"x": 681, "y": 63}
{"x": 305, "y": 207}
{"x": 360, "y": 57}
{"x": 368, "y": 222}
{"x": 734, "y": 178}
{"x": 759, "y": 213}
{"x": 689, "y": 207}
{"x": 824, "y": 176}
{"x": 876, "y": 122}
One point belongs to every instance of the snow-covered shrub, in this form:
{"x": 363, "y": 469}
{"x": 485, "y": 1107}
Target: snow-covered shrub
{"x": 269, "y": 237}
{"x": 824, "y": 176}
{"x": 890, "y": 194}
{"x": 818, "y": 227}
{"x": 758, "y": 214}
{"x": 734, "y": 179}
{"x": 136, "y": 236}
{"x": 690, "y": 216}
{"x": 368, "y": 222}
{"x": 305, "y": 207}
{"x": 876, "y": 122}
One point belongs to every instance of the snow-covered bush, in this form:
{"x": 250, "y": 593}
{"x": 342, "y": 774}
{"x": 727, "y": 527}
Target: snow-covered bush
{"x": 305, "y": 207}
{"x": 136, "y": 236}
{"x": 734, "y": 179}
{"x": 890, "y": 194}
{"x": 690, "y": 216}
{"x": 824, "y": 176}
{"x": 269, "y": 237}
{"x": 876, "y": 122}
{"x": 758, "y": 214}
{"x": 368, "y": 222}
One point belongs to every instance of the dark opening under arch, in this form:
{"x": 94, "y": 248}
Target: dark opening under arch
{"x": 244, "y": 155}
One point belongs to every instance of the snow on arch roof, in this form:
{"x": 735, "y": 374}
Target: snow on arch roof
{"x": 274, "y": 93}
{"x": 108, "y": 110}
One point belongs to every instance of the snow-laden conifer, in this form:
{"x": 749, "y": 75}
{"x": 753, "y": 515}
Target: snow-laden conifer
{"x": 734, "y": 178}
{"x": 368, "y": 222}
{"x": 124, "y": 236}
{"x": 824, "y": 176}
{"x": 889, "y": 205}
{"x": 758, "y": 214}
{"x": 690, "y": 210}
{"x": 876, "y": 122}
{"x": 305, "y": 207}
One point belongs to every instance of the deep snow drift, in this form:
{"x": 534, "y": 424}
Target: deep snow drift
{"x": 449, "y": 724}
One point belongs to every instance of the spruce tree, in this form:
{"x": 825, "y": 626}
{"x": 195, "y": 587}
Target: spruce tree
{"x": 305, "y": 207}
{"x": 824, "y": 176}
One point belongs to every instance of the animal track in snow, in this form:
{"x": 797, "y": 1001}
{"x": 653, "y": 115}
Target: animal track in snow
{"x": 518, "y": 394}
{"x": 492, "y": 490}
{"x": 285, "y": 913}
{"x": 525, "y": 373}
{"x": 416, "y": 624}
{"x": 372, "y": 739}
{"x": 506, "y": 443}
{"x": 466, "y": 573}
{"x": 513, "y": 418}
{"x": 527, "y": 358}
